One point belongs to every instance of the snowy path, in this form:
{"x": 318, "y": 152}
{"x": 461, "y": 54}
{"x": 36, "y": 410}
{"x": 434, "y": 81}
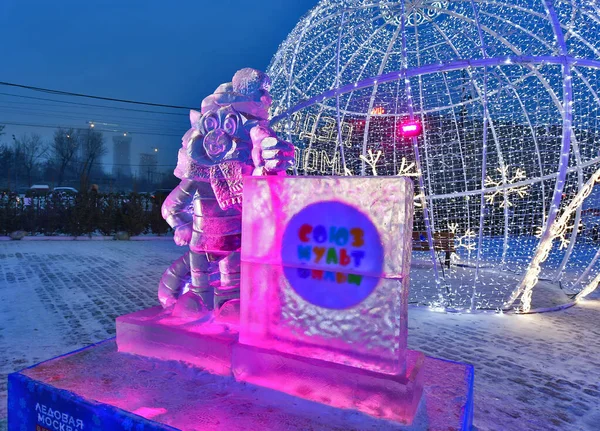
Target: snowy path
{"x": 536, "y": 372}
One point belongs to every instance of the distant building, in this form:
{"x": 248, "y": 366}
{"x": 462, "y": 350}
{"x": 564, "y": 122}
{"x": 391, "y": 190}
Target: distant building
{"x": 148, "y": 167}
{"x": 121, "y": 156}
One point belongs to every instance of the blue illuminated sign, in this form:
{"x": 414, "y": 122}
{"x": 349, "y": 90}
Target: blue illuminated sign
{"x": 332, "y": 255}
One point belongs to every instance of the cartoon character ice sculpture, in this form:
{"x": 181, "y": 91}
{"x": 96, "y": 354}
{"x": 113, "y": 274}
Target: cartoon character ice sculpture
{"x": 228, "y": 140}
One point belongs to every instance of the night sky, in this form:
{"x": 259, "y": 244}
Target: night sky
{"x": 173, "y": 53}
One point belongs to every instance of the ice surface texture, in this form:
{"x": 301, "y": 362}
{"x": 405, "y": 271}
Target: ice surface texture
{"x": 275, "y": 312}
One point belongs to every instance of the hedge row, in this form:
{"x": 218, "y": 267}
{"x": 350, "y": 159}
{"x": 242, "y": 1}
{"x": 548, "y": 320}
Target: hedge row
{"x": 82, "y": 214}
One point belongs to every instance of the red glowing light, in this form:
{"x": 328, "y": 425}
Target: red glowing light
{"x": 411, "y": 129}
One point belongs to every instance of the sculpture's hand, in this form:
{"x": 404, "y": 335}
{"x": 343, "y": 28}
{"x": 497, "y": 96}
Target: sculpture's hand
{"x": 270, "y": 155}
{"x": 183, "y": 234}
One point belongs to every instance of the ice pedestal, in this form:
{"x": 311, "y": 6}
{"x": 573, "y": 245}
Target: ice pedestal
{"x": 155, "y": 334}
{"x": 390, "y": 397}
{"x": 214, "y": 348}
{"x": 100, "y": 389}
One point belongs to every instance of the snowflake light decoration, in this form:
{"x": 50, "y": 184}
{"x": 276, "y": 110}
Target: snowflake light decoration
{"x": 466, "y": 240}
{"x": 520, "y": 191}
{"x": 372, "y": 160}
{"x": 407, "y": 169}
{"x": 563, "y": 235}
{"x": 508, "y": 97}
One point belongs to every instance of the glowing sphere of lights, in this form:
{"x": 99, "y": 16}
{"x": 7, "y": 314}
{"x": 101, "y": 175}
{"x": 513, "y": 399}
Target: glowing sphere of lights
{"x": 508, "y": 161}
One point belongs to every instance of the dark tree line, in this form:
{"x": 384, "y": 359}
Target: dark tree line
{"x": 71, "y": 158}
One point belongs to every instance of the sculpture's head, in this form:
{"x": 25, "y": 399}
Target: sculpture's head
{"x": 221, "y": 131}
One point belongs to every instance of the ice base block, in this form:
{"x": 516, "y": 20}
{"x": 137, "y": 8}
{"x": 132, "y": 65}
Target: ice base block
{"x": 98, "y": 388}
{"x": 153, "y": 333}
{"x": 214, "y": 348}
{"x": 385, "y": 396}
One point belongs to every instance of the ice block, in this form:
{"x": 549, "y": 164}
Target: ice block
{"x": 325, "y": 263}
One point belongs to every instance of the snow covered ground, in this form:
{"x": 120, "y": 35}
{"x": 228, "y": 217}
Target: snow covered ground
{"x": 497, "y": 278}
{"x": 533, "y": 372}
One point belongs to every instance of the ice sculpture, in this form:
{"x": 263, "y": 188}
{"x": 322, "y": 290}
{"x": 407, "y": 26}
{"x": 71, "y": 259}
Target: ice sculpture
{"x": 229, "y": 139}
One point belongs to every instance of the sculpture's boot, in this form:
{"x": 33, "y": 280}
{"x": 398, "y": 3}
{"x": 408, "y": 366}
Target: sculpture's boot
{"x": 174, "y": 280}
{"x": 199, "y": 301}
{"x": 229, "y": 313}
{"x": 191, "y": 306}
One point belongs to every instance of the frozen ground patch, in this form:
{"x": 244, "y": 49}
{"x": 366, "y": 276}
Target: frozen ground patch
{"x": 58, "y": 296}
{"x": 534, "y": 372}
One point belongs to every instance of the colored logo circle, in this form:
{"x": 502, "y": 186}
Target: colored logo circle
{"x": 332, "y": 255}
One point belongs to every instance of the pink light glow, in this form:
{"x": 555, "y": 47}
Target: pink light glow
{"x": 150, "y": 412}
{"x": 411, "y": 129}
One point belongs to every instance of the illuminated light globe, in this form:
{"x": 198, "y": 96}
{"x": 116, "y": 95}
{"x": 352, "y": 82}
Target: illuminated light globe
{"x": 507, "y": 167}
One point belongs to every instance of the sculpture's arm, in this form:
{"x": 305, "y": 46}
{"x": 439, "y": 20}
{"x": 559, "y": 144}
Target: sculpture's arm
{"x": 176, "y": 207}
{"x": 176, "y": 210}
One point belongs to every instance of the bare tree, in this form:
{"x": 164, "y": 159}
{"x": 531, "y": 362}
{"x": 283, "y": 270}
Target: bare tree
{"x": 6, "y": 160}
{"x": 64, "y": 148}
{"x": 93, "y": 146}
{"x": 31, "y": 148}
